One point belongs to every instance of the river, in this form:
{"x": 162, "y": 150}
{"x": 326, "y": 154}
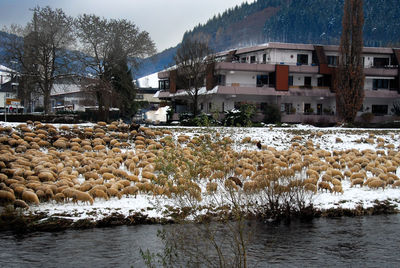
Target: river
{"x": 369, "y": 241}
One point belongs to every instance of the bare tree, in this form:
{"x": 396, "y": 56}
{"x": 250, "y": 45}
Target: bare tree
{"x": 349, "y": 81}
{"x": 39, "y": 50}
{"x": 192, "y": 58}
{"x": 99, "y": 37}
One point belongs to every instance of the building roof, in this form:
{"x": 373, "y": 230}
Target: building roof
{"x": 293, "y": 46}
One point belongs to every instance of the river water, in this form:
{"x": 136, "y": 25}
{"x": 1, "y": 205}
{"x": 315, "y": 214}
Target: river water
{"x": 369, "y": 241}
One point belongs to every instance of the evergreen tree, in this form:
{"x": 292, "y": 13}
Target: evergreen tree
{"x": 349, "y": 82}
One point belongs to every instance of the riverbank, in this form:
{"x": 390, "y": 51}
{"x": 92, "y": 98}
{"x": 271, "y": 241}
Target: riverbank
{"x": 20, "y": 223}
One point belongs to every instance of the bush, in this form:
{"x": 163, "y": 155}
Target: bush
{"x": 241, "y": 117}
{"x": 367, "y": 117}
{"x": 202, "y": 120}
{"x": 272, "y": 114}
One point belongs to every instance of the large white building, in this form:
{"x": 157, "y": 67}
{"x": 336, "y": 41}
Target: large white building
{"x": 297, "y": 78}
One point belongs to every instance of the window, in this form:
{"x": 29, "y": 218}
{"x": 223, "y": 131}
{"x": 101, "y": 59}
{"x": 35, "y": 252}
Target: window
{"x": 243, "y": 60}
{"x": 209, "y": 106}
{"x": 307, "y": 108}
{"x": 291, "y": 80}
{"x": 262, "y": 80}
{"x": 333, "y": 60}
{"x": 223, "y": 107}
{"x": 325, "y": 81}
{"x": 287, "y": 108}
{"x": 221, "y": 80}
{"x": 252, "y": 59}
{"x": 264, "y": 58}
{"x": 379, "y": 109}
{"x": 307, "y": 81}
{"x": 302, "y": 59}
{"x": 380, "y": 84}
{"x": 381, "y": 62}
{"x": 163, "y": 84}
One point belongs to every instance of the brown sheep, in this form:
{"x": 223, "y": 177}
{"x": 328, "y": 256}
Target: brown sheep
{"x": 323, "y": 185}
{"x": 59, "y": 197}
{"x": 357, "y": 181}
{"x": 114, "y": 192}
{"x": 236, "y": 180}
{"x": 20, "y": 204}
{"x": 337, "y": 189}
{"x": 130, "y": 190}
{"x": 82, "y": 196}
{"x": 396, "y": 184}
{"x": 30, "y": 197}
{"x": 377, "y": 184}
{"x": 97, "y": 193}
{"x": 6, "y": 196}
{"x": 310, "y": 187}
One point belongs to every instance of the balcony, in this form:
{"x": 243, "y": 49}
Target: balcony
{"x": 247, "y": 67}
{"x": 381, "y": 72}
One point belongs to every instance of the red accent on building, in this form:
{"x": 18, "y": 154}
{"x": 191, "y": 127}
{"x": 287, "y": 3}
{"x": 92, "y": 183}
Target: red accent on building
{"x": 172, "y": 81}
{"x": 210, "y": 76}
{"x": 282, "y": 77}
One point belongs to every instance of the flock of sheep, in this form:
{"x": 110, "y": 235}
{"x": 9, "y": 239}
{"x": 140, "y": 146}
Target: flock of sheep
{"x": 43, "y": 163}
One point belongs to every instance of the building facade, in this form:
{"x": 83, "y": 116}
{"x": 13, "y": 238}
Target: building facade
{"x": 297, "y": 78}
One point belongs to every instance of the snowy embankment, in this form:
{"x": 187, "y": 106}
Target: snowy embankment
{"x": 274, "y": 140}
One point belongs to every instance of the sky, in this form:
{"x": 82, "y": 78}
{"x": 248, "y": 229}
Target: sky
{"x": 165, "y": 20}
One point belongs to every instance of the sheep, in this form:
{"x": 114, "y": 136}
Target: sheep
{"x": 236, "y": 180}
{"x": 396, "y": 184}
{"x": 20, "y": 204}
{"x": 30, "y": 197}
{"x": 130, "y": 190}
{"x": 114, "y": 193}
{"x": 6, "y": 196}
{"x": 310, "y": 187}
{"x": 97, "y": 193}
{"x": 377, "y": 184}
{"x": 337, "y": 189}
{"x": 81, "y": 196}
{"x": 59, "y": 197}
{"x": 323, "y": 185}
{"x": 357, "y": 181}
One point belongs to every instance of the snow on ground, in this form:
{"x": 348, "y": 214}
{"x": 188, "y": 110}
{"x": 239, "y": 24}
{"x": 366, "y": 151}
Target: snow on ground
{"x": 279, "y": 138}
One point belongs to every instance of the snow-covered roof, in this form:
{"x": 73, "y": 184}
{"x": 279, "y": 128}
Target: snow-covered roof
{"x": 65, "y": 88}
{"x": 5, "y": 74}
{"x": 149, "y": 81}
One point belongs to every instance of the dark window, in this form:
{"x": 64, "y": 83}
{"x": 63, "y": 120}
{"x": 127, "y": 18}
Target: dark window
{"x": 223, "y": 107}
{"x": 221, "y": 80}
{"x": 302, "y": 59}
{"x": 380, "y": 84}
{"x": 271, "y": 79}
{"x": 243, "y": 60}
{"x": 291, "y": 80}
{"x": 381, "y": 62}
{"x": 201, "y": 106}
{"x": 307, "y": 108}
{"x": 163, "y": 84}
{"x": 262, "y": 79}
{"x": 379, "y": 109}
{"x": 264, "y": 58}
{"x": 252, "y": 59}
{"x": 307, "y": 81}
{"x": 333, "y": 60}
{"x": 324, "y": 81}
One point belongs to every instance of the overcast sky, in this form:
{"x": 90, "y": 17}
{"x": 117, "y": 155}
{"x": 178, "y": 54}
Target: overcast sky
{"x": 165, "y": 20}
